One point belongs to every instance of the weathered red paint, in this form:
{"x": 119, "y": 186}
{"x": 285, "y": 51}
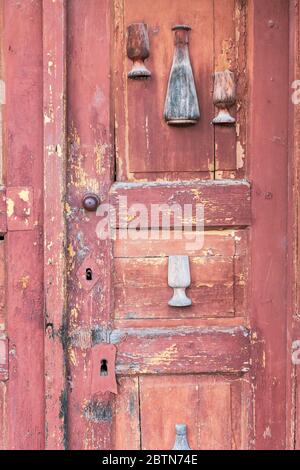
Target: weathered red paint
{"x": 268, "y": 161}
{"x": 24, "y": 248}
{"x": 3, "y": 221}
{"x": 293, "y": 319}
{"x": 90, "y": 169}
{"x": 55, "y": 156}
{"x": 226, "y": 203}
{"x": 103, "y": 369}
{"x": 71, "y": 116}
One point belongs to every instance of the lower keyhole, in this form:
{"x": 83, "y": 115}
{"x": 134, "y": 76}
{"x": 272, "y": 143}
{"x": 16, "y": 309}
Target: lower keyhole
{"x": 103, "y": 367}
{"x": 88, "y": 274}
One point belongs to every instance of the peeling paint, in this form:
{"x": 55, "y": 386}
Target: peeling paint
{"x": 10, "y": 207}
{"x": 24, "y": 195}
{"x": 24, "y": 282}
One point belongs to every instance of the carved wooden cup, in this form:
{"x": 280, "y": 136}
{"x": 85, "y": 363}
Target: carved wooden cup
{"x": 179, "y": 279}
{"x": 224, "y": 96}
{"x": 138, "y": 50}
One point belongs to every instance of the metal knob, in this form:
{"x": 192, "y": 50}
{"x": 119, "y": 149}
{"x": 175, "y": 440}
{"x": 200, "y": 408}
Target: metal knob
{"x": 91, "y": 202}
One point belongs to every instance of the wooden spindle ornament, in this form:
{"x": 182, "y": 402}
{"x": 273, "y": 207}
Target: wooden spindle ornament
{"x": 181, "y": 105}
{"x": 224, "y": 96}
{"x": 138, "y": 50}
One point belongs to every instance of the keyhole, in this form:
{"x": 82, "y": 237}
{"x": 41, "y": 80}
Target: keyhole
{"x": 103, "y": 367}
{"x": 88, "y": 274}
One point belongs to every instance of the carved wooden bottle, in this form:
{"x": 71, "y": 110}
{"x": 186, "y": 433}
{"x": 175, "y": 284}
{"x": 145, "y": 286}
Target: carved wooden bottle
{"x": 181, "y": 442}
{"x": 181, "y": 105}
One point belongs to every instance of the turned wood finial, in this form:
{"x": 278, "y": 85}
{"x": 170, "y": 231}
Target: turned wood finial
{"x": 181, "y": 442}
{"x": 181, "y": 105}
{"x": 138, "y": 50}
{"x": 224, "y": 96}
{"x": 179, "y": 279}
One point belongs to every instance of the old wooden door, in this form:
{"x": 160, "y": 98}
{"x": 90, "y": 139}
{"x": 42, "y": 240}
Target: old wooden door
{"x": 219, "y": 365}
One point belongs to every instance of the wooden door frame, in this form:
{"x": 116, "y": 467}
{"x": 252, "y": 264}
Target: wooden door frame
{"x": 293, "y": 317}
{"x": 268, "y": 164}
{"x": 26, "y": 427}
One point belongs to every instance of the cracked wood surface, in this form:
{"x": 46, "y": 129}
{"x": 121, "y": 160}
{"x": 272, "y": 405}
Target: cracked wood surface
{"x": 221, "y": 366}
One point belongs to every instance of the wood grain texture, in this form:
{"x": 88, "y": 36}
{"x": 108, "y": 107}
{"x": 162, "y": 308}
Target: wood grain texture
{"x": 226, "y": 203}
{"x": 146, "y": 145}
{"x": 192, "y": 350}
{"x": 219, "y": 275}
{"x": 225, "y": 58}
{"x": 269, "y": 232}
{"x": 142, "y": 291}
{"x": 295, "y": 12}
{"x": 293, "y": 319}
{"x": 215, "y": 243}
{"x": 23, "y": 168}
{"x": 2, "y": 285}
{"x": 127, "y": 415}
{"x": 54, "y": 96}
{"x": 89, "y": 169}
{"x": 211, "y": 407}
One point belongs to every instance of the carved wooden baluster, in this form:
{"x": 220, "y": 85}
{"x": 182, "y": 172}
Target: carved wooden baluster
{"x": 181, "y": 442}
{"x": 224, "y": 96}
{"x": 138, "y": 50}
{"x": 181, "y": 105}
{"x": 179, "y": 279}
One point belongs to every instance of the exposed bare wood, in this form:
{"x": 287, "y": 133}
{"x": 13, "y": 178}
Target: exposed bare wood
{"x": 181, "y": 350}
{"x": 226, "y": 203}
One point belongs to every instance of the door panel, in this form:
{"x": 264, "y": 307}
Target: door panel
{"x": 146, "y": 148}
{"x": 115, "y": 367}
{"x": 218, "y": 274}
{"x": 197, "y": 401}
{"x": 195, "y": 364}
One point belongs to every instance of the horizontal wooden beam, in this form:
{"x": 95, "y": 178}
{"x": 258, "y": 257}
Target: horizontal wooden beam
{"x": 226, "y": 203}
{"x": 183, "y": 350}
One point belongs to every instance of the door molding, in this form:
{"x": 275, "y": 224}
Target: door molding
{"x": 55, "y": 157}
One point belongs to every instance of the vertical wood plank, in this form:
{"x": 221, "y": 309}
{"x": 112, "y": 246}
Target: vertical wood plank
{"x": 225, "y": 58}
{"x": 127, "y": 422}
{"x": 3, "y": 416}
{"x": 90, "y": 169}
{"x": 178, "y": 403}
{"x": 267, "y": 147}
{"x": 2, "y": 92}
{"x": 293, "y": 334}
{"x": 24, "y": 168}
{"x": 296, "y": 309}
{"x": 2, "y": 286}
{"x": 214, "y": 415}
{"x": 3, "y": 385}
{"x": 54, "y": 57}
